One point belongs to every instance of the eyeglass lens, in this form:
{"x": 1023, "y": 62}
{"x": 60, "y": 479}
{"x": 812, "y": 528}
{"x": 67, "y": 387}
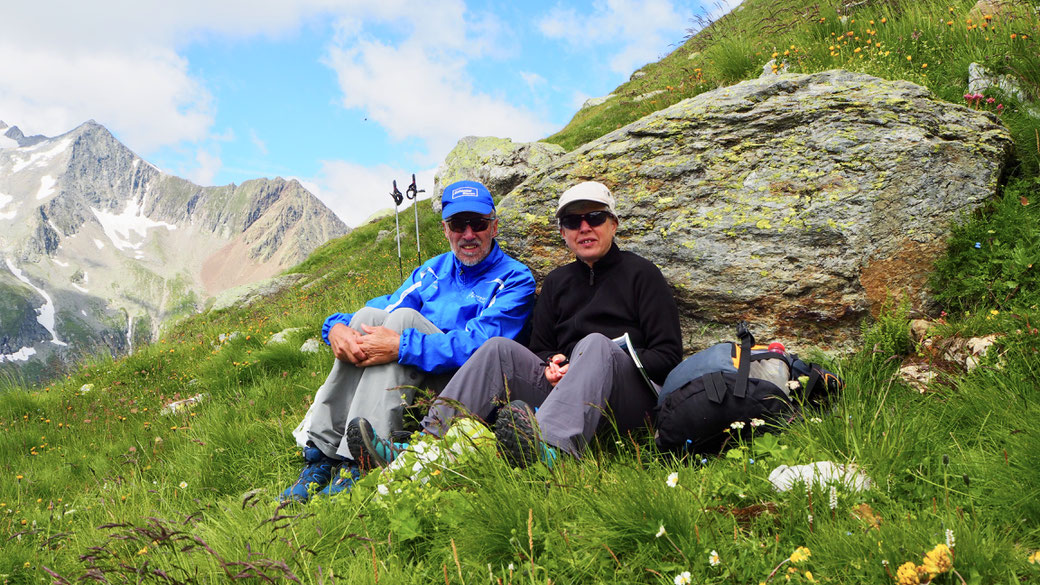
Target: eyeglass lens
{"x": 573, "y": 221}
{"x": 458, "y": 224}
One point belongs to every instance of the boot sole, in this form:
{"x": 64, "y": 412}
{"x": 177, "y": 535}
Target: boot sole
{"x": 516, "y": 433}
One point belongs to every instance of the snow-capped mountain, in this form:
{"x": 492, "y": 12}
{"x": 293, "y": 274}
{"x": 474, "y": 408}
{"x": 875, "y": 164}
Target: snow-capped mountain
{"x": 98, "y": 247}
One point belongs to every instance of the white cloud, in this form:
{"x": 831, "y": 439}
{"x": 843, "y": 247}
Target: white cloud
{"x": 146, "y": 96}
{"x": 355, "y": 192}
{"x": 644, "y": 29}
{"x": 532, "y": 79}
{"x": 418, "y": 87}
{"x": 209, "y": 164}
{"x": 260, "y": 144}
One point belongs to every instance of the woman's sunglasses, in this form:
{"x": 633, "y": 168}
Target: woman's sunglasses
{"x": 572, "y": 221}
{"x": 479, "y": 224}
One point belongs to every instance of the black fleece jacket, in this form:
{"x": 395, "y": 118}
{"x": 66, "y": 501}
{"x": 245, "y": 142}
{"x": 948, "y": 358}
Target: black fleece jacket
{"x": 622, "y": 292}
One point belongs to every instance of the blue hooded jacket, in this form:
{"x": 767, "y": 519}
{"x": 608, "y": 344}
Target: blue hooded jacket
{"x": 470, "y": 304}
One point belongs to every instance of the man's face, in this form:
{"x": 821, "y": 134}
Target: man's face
{"x": 589, "y": 243}
{"x": 470, "y": 245}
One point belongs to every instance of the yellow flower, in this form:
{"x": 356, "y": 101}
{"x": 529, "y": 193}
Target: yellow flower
{"x": 142, "y": 551}
{"x": 1034, "y": 558}
{"x": 924, "y": 65}
{"x": 937, "y": 561}
{"x": 809, "y": 577}
{"x": 909, "y": 58}
{"x": 800, "y": 554}
{"x": 884, "y": 20}
{"x": 906, "y": 574}
{"x": 994, "y": 312}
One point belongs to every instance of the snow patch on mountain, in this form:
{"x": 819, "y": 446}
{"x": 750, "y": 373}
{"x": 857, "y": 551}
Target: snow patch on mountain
{"x": 4, "y": 200}
{"x": 47, "y": 185}
{"x": 118, "y": 226}
{"x": 39, "y": 154}
{"x": 21, "y": 355}
{"x": 45, "y": 314}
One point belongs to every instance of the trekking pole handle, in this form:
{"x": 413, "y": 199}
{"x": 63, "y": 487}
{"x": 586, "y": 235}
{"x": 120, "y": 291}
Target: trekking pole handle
{"x": 412, "y": 190}
{"x": 396, "y": 194}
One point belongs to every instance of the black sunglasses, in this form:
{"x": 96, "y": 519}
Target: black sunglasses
{"x": 572, "y": 221}
{"x": 479, "y": 224}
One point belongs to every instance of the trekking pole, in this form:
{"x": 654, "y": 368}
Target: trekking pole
{"x": 413, "y": 193}
{"x": 398, "y": 198}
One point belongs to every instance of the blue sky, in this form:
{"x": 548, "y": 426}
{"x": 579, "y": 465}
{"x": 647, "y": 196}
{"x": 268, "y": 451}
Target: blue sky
{"x": 344, "y": 95}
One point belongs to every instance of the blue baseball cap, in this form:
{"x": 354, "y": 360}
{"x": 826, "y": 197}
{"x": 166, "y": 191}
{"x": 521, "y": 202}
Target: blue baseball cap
{"x": 464, "y": 196}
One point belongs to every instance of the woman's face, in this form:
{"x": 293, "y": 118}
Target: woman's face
{"x": 589, "y": 243}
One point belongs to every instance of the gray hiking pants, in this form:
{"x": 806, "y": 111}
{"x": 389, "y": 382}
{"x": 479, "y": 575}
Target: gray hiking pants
{"x": 601, "y": 378}
{"x": 377, "y": 393}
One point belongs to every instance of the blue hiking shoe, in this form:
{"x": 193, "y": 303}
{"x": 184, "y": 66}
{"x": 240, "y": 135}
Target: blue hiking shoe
{"x": 516, "y": 431}
{"x": 345, "y": 477}
{"x": 317, "y": 472}
{"x": 369, "y": 449}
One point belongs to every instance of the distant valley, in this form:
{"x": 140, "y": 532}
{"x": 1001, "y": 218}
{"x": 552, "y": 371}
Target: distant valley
{"x": 98, "y": 247}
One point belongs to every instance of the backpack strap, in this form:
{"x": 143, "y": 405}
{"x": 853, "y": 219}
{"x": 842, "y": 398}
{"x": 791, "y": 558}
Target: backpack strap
{"x": 744, "y": 369}
{"x": 714, "y": 386}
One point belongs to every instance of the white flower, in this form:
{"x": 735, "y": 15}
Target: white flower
{"x": 950, "y": 540}
{"x": 383, "y": 490}
{"x": 673, "y": 479}
{"x": 660, "y": 532}
{"x": 511, "y": 567}
{"x": 713, "y": 558}
{"x": 683, "y": 578}
{"x": 793, "y": 385}
{"x": 816, "y": 419}
{"x": 184, "y": 484}
{"x": 757, "y": 422}
{"x": 834, "y": 498}
{"x": 737, "y": 425}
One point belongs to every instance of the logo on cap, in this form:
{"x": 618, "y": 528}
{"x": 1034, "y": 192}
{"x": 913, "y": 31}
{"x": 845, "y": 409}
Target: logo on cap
{"x": 463, "y": 192}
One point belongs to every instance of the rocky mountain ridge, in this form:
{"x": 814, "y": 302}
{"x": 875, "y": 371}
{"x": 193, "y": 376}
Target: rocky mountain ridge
{"x": 104, "y": 247}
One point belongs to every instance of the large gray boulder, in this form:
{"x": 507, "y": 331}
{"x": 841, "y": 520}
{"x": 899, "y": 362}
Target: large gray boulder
{"x": 800, "y": 203}
{"x": 499, "y": 163}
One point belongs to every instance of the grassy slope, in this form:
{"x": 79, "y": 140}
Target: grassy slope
{"x": 97, "y": 481}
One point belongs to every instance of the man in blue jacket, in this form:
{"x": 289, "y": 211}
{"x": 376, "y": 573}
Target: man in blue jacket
{"x": 429, "y": 326}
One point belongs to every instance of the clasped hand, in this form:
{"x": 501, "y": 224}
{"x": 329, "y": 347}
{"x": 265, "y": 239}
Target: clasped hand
{"x": 378, "y": 345}
{"x": 554, "y": 371}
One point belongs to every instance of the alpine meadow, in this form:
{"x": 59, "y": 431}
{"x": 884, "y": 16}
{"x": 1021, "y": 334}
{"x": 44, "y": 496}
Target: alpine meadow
{"x": 164, "y": 466}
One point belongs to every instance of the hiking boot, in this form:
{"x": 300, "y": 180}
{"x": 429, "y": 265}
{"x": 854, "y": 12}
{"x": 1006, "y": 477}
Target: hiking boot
{"x": 317, "y": 472}
{"x": 517, "y": 433}
{"x": 346, "y": 476}
{"x": 369, "y": 449}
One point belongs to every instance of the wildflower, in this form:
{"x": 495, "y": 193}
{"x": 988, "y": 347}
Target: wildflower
{"x": 713, "y": 558}
{"x": 809, "y": 577}
{"x": 511, "y": 567}
{"x": 683, "y": 578}
{"x": 1000, "y": 108}
{"x": 884, "y": 20}
{"x": 1034, "y": 559}
{"x": 673, "y": 479}
{"x": 184, "y": 485}
{"x": 1013, "y": 35}
{"x": 978, "y": 245}
{"x": 990, "y": 100}
{"x": 800, "y": 554}
{"x": 924, "y": 66}
{"x": 385, "y": 491}
{"x": 950, "y": 540}
{"x": 906, "y": 574}
{"x": 660, "y": 532}
{"x": 143, "y": 551}
{"x": 937, "y": 561}
{"x": 994, "y": 312}
{"x": 816, "y": 419}
{"x": 737, "y": 425}
{"x": 834, "y": 498}
{"x": 757, "y": 422}
{"x": 909, "y": 58}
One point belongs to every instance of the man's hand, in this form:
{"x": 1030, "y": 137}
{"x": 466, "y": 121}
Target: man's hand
{"x": 379, "y": 344}
{"x": 554, "y": 371}
{"x": 344, "y": 343}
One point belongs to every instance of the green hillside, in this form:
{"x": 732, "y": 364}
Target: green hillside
{"x": 101, "y": 485}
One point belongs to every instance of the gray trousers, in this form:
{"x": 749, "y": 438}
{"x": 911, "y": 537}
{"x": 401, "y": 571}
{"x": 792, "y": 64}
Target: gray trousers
{"x": 377, "y": 393}
{"x": 601, "y": 378}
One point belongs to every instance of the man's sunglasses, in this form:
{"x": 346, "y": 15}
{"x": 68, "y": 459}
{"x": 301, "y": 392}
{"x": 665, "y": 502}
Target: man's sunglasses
{"x": 479, "y": 224}
{"x": 572, "y": 221}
